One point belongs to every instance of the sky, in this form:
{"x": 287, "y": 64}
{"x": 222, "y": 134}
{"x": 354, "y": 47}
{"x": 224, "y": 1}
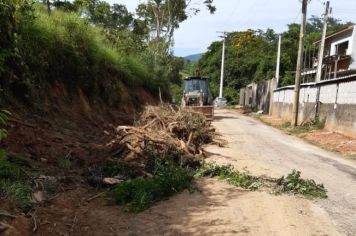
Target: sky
{"x": 198, "y": 32}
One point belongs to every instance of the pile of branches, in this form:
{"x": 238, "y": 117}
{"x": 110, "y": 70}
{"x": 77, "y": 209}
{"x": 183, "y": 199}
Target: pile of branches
{"x": 162, "y": 132}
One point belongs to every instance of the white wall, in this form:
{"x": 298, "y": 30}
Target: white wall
{"x": 328, "y": 93}
{"x": 353, "y": 52}
{"x": 347, "y": 93}
{"x": 341, "y": 39}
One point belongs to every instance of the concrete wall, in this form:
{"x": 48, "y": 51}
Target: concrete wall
{"x": 337, "y": 101}
{"x": 257, "y": 95}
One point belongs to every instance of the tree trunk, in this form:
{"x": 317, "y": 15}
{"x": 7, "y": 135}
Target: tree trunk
{"x": 48, "y": 7}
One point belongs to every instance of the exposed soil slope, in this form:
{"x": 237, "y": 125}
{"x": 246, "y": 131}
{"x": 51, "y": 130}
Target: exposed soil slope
{"x": 69, "y": 126}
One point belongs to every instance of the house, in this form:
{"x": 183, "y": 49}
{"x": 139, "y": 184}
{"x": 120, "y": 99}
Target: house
{"x": 339, "y": 56}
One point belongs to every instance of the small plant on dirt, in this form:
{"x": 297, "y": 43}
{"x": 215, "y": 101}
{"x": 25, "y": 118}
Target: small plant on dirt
{"x": 228, "y": 173}
{"x": 4, "y": 115}
{"x": 138, "y": 194}
{"x": 7, "y": 169}
{"x": 294, "y": 184}
{"x": 19, "y": 191}
{"x": 65, "y": 164}
{"x": 286, "y": 125}
{"x": 13, "y": 184}
{"x": 315, "y": 124}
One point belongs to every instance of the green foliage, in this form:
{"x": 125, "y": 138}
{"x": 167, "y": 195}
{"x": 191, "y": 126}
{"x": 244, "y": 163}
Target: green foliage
{"x": 12, "y": 14}
{"x": 286, "y": 125}
{"x": 228, "y": 173}
{"x": 138, "y": 194}
{"x": 4, "y": 115}
{"x": 211, "y": 169}
{"x": 13, "y": 184}
{"x": 65, "y": 164}
{"x": 315, "y": 124}
{"x": 251, "y": 56}
{"x": 19, "y": 191}
{"x": 64, "y": 47}
{"x": 7, "y": 169}
{"x": 294, "y": 184}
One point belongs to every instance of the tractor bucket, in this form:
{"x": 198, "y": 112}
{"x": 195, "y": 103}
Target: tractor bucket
{"x": 207, "y": 111}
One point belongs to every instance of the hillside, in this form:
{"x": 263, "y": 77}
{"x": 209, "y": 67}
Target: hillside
{"x": 194, "y": 58}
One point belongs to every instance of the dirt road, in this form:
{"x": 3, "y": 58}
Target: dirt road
{"x": 222, "y": 209}
{"x": 263, "y": 150}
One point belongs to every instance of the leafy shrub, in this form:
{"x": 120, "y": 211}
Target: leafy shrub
{"x": 228, "y": 173}
{"x": 294, "y": 184}
{"x": 13, "y": 185}
{"x": 138, "y": 194}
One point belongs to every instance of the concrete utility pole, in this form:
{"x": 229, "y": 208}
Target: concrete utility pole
{"x": 222, "y": 65}
{"x": 322, "y": 43}
{"x": 278, "y": 59}
{"x": 298, "y": 74}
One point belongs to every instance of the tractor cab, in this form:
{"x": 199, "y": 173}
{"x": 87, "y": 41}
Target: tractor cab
{"x": 197, "y": 91}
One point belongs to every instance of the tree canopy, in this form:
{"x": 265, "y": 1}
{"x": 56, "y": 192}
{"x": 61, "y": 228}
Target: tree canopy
{"x": 251, "y": 55}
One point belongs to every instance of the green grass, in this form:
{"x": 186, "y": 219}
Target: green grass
{"x": 14, "y": 185}
{"x": 140, "y": 193}
{"x": 64, "y": 47}
{"x": 315, "y": 124}
{"x": 294, "y": 184}
{"x": 230, "y": 175}
{"x": 19, "y": 191}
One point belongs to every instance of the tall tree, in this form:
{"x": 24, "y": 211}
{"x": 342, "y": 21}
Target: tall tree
{"x": 164, "y": 16}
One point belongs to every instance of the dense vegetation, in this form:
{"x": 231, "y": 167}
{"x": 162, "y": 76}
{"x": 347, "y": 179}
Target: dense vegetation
{"x": 89, "y": 45}
{"x": 251, "y": 56}
{"x": 138, "y": 194}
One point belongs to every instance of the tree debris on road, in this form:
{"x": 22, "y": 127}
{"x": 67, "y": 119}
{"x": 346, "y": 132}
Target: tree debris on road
{"x": 162, "y": 131}
{"x": 292, "y": 184}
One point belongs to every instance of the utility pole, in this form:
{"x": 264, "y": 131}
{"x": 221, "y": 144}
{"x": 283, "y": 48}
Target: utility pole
{"x": 298, "y": 74}
{"x": 278, "y": 59}
{"x": 322, "y": 43}
{"x": 222, "y": 64}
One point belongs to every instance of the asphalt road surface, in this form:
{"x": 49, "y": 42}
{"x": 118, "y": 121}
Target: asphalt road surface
{"x": 264, "y": 150}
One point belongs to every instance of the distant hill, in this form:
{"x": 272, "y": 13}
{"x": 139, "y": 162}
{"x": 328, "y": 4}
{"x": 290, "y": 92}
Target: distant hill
{"x": 193, "y": 58}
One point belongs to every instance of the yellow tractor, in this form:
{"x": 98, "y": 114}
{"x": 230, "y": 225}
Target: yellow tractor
{"x": 197, "y": 96}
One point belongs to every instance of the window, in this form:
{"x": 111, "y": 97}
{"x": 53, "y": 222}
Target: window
{"x": 341, "y": 49}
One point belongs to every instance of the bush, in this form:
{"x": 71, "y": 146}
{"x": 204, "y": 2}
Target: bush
{"x": 294, "y": 184}
{"x": 138, "y": 194}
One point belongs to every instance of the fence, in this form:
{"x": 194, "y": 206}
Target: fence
{"x": 333, "y": 101}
